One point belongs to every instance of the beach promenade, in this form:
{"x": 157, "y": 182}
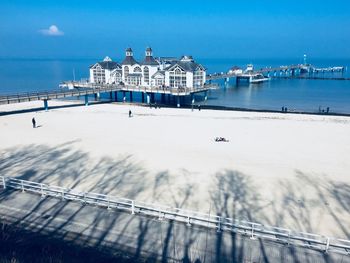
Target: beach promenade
{"x": 278, "y": 169}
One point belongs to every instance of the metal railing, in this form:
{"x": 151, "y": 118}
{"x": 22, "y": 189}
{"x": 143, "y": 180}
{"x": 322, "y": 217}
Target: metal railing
{"x": 250, "y": 229}
{"x": 180, "y": 91}
{"x": 54, "y": 94}
{"x": 85, "y": 88}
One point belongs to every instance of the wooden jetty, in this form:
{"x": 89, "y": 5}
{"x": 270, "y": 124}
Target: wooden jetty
{"x": 77, "y": 89}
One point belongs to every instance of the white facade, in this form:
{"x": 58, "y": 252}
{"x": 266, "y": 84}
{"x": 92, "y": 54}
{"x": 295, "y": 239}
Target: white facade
{"x": 174, "y": 73}
{"x": 106, "y": 71}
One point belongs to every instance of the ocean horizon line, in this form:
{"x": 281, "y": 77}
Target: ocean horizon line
{"x": 199, "y": 58}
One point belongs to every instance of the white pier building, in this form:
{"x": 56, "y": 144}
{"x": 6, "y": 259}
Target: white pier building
{"x": 151, "y": 72}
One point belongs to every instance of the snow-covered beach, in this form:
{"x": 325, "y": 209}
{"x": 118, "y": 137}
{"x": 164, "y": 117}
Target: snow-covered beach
{"x": 279, "y": 169}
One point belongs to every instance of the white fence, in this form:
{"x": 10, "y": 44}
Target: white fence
{"x": 253, "y": 230}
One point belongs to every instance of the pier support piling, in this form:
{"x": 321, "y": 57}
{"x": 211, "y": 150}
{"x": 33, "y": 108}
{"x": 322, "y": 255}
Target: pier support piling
{"x": 148, "y": 99}
{"x": 124, "y": 96}
{"x": 130, "y": 96}
{"x": 46, "y": 105}
{"x": 111, "y": 95}
{"x": 192, "y": 100}
{"x": 143, "y": 97}
{"x": 178, "y": 102}
{"x": 115, "y": 96}
{"x": 86, "y": 100}
{"x": 205, "y": 96}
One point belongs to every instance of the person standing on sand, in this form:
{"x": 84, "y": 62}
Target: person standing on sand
{"x": 34, "y": 122}
{"x": 130, "y": 114}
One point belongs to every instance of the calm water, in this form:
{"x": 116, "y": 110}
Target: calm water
{"x": 21, "y": 75}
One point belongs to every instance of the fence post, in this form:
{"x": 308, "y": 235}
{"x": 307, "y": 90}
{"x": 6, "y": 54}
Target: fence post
{"x": 327, "y": 244}
{"x": 188, "y": 221}
{"x": 132, "y": 207}
{"x": 160, "y": 217}
{"x": 219, "y": 225}
{"x": 108, "y": 207}
{"x": 42, "y": 191}
{"x": 252, "y": 235}
{"x": 288, "y": 242}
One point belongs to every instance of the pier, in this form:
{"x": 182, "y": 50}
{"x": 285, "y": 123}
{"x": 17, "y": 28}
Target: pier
{"x": 310, "y": 77}
{"x": 78, "y": 89}
{"x": 293, "y": 69}
{"x": 276, "y": 72}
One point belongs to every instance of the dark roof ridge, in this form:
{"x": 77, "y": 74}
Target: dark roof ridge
{"x": 129, "y": 60}
{"x": 149, "y": 60}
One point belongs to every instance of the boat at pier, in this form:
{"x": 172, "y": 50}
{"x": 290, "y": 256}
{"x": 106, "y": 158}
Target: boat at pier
{"x": 258, "y": 78}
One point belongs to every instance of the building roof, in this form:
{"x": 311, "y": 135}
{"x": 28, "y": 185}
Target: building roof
{"x": 185, "y": 65}
{"x": 166, "y": 59}
{"x": 149, "y": 60}
{"x": 129, "y": 60}
{"x": 107, "y": 65}
{"x": 161, "y": 72}
{"x": 235, "y": 68}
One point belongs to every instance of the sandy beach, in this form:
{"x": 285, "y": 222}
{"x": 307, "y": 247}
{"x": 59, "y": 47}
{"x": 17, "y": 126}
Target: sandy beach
{"x": 279, "y": 169}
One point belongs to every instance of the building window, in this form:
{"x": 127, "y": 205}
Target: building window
{"x": 126, "y": 72}
{"x": 146, "y": 75}
{"x": 159, "y": 82}
{"x": 99, "y": 75}
{"x": 137, "y": 70}
{"x": 198, "y": 78}
{"x": 134, "y": 80}
{"x": 116, "y": 77}
{"x": 177, "y": 78}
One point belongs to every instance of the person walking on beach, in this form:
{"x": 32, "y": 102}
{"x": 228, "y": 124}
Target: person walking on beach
{"x": 34, "y": 122}
{"x": 130, "y": 114}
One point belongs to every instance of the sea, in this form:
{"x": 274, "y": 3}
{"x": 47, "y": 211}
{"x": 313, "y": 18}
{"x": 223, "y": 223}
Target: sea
{"x": 307, "y": 95}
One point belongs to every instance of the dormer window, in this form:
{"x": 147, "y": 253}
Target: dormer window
{"x": 148, "y": 52}
{"x": 128, "y": 52}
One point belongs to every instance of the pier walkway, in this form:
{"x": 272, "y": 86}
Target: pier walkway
{"x": 77, "y": 89}
{"x": 291, "y": 68}
{"x": 282, "y": 71}
{"x": 309, "y": 77}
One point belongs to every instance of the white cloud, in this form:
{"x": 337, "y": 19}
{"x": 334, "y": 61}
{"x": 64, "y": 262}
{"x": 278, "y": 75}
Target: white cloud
{"x": 52, "y": 31}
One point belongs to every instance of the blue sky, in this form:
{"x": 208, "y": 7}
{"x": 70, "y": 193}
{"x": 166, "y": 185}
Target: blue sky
{"x": 205, "y": 29}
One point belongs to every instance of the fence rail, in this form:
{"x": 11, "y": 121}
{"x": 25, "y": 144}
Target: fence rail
{"x": 251, "y": 229}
